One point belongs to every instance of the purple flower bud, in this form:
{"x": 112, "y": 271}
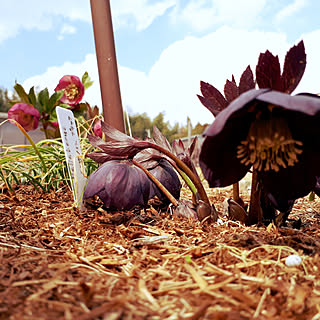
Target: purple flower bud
{"x": 120, "y": 185}
{"x": 164, "y": 172}
{"x": 26, "y": 115}
{"x": 73, "y": 89}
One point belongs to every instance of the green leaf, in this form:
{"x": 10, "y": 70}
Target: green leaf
{"x": 63, "y": 105}
{"x": 53, "y": 100}
{"x": 311, "y": 196}
{"x": 32, "y": 97}
{"x": 43, "y": 98}
{"x": 53, "y": 115}
{"x": 86, "y": 81}
{"x": 21, "y": 93}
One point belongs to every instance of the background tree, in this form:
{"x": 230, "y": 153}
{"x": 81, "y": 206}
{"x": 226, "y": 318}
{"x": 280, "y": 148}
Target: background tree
{"x": 165, "y": 127}
{"x": 199, "y": 128}
{"x": 140, "y": 124}
{"x": 4, "y": 100}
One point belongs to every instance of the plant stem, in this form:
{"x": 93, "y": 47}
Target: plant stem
{"x": 185, "y": 178}
{"x": 255, "y": 212}
{"x": 45, "y": 127}
{"x": 33, "y": 145}
{"x": 181, "y": 165}
{"x": 235, "y": 192}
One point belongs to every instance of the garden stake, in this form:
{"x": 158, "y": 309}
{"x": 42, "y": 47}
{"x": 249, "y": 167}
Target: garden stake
{"x": 107, "y": 63}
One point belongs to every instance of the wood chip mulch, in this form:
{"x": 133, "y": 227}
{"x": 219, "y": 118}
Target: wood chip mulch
{"x": 57, "y": 262}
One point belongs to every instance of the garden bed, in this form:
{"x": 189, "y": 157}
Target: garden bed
{"x": 61, "y": 263}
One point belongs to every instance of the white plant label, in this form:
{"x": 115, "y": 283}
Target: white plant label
{"x": 72, "y": 149}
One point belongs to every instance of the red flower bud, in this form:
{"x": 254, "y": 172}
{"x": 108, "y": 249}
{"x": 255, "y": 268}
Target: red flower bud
{"x": 97, "y": 129}
{"x": 55, "y": 123}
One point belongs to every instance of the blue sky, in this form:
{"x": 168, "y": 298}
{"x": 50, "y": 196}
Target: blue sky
{"x": 164, "y": 47}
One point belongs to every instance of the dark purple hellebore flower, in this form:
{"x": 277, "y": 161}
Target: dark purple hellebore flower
{"x": 268, "y": 71}
{"x": 317, "y": 187}
{"x": 121, "y": 147}
{"x": 164, "y": 172}
{"x": 185, "y": 154}
{"x": 273, "y": 132}
{"x": 73, "y": 89}
{"x": 214, "y": 100}
{"x": 119, "y": 184}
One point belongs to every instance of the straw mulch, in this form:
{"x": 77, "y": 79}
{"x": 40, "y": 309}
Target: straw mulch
{"x": 60, "y": 263}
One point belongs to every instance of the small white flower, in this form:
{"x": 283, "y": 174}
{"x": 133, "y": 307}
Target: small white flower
{"x": 220, "y": 222}
{"x": 293, "y": 260}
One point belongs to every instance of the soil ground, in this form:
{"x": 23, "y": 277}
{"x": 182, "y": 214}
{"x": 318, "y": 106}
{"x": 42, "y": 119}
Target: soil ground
{"x": 58, "y": 262}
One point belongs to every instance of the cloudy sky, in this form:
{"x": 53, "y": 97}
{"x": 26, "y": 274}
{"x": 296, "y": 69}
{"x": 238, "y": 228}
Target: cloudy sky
{"x": 164, "y": 47}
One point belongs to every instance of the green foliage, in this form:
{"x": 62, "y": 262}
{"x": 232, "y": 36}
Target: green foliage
{"x": 42, "y": 164}
{"x": 32, "y": 97}
{"x": 21, "y": 93}
{"x": 87, "y": 82}
{"x": 43, "y": 97}
{"x": 54, "y": 101}
{"x": 46, "y": 104}
{"x": 20, "y": 166}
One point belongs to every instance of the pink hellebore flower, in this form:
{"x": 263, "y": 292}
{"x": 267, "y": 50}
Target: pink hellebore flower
{"x": 26, "y": 115}
{"x": 97, "y": 129}
{"x": 73, "y": 89}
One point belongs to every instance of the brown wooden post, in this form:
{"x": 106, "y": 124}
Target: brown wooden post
{"x": 107, "y": 63}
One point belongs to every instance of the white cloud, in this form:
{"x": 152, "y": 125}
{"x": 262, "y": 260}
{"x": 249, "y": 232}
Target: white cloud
{"x": 310, "y": 80}
{"x": 173, "y": 82}
{"x": 18, "y": 15}
{"x": 175, "y": 78}
{"x": 290, "y": 10}
{"x": 65, "y": 30}
{"x": 139, "y": 13}
{"x": 203, "y": 14}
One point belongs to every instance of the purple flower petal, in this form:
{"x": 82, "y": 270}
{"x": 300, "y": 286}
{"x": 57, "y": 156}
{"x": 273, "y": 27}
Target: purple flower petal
{"x": 119, "y": 185}
{"x": 168, "y": 177}
{"x": 218, "y": 157}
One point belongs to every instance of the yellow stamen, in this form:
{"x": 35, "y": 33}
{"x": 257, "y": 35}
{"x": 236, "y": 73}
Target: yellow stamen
{"x": 71, "y": 91}
{"x": 269, "y": 146}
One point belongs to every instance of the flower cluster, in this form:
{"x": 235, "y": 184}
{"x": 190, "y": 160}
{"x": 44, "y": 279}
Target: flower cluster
{"x": 33, "y": 108}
